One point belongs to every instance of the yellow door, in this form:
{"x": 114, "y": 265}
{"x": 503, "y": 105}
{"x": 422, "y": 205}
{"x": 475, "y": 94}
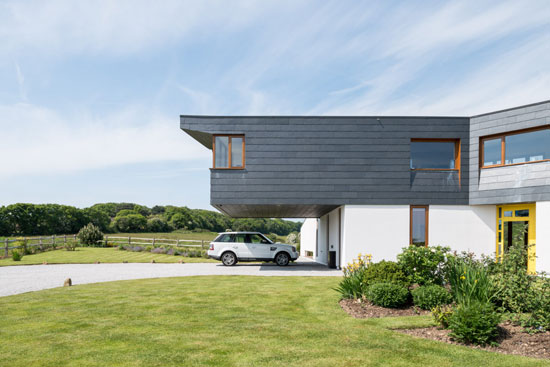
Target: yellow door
{"x": 516, "y": 225}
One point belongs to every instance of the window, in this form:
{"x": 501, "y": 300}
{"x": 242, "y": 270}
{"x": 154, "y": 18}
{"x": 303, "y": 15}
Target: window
{"x": 256, "y": 238}
{"x": 435, "y": 154}
{"x": 223, "y": 238}
{"x": 228, "y": 151}
{"x": 419, "y": 225}
{"x": 516, "y": 148}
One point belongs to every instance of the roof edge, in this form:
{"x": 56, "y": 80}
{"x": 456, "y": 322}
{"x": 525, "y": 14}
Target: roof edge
{"x": 511, "y": 109}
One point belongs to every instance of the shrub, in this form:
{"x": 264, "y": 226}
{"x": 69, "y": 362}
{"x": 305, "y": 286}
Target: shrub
{"x": 516, "y": 287}
{"x": 387, "y": 294}
{"x": 70, "y": 245}
{"x": 539, "y": 319}
{"x": 475, "y": 323}
{"x": 469, "y": 281}
{"x": 16, "y": 255}
{"x": 442, "y": 315}
{"x": 429, "y": 296}
{"x": 137, "y": 249}
{"x": 423, "y": 265}
{"x": 158, "y": 225}
{"x": 90, "y": 235}
{"x": 158, "y": 250}
{"x": 130, "y": 222}
{"x": 385, "y": 272}
{"x": 353, "y": 284}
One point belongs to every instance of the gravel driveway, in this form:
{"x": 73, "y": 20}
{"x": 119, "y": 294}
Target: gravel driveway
{"x": 27, "y": 278}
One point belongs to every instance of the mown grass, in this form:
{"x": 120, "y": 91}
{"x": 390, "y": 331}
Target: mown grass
{"x": 89, "y": 255}
{"x": 214, "y": 321}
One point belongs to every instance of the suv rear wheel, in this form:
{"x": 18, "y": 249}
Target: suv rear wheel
{"x": 282, "y": 259}
{"x": 229, "y": 259}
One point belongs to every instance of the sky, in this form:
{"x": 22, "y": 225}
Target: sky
{"x": 91, "y": 91}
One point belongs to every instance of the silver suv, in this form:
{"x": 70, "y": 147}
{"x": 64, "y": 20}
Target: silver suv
{"x": 232, "y": 247}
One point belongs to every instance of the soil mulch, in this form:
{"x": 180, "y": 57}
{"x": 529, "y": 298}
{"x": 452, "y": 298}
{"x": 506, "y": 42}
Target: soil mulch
{"x": 512, "y": 340}
{"x": 365, "y": 310}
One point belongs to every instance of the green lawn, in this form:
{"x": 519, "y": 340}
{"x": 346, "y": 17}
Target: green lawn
{"x": 214, "y": 321}
{"x": 89, "y": 255}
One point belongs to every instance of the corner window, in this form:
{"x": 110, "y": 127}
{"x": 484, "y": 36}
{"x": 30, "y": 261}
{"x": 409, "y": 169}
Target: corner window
{"x": 228, "y": 151}
{"x": 515, "y": 148}
{"x": 419, "y": 225}
{"x": 435, "y": 154}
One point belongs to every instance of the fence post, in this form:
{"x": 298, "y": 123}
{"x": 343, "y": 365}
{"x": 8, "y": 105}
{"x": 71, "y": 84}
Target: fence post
{"x": 7, "y": 248}
{"x": 65, "y": 240}
{"x": 40, "y": 244}
{"x": 177, "y": 243}
{"x": 202, "y": 244}
{"x": 106, "y": 241}
{"x": 153, "y": 242}
{"x": 53, "y": 241}
{"x": 129, "y": 241}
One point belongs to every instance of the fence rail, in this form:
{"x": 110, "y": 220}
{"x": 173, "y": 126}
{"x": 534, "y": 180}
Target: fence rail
{"x": 62, "y": 240}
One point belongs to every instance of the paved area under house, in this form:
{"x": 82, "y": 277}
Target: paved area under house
{"x": 28, "y": 278}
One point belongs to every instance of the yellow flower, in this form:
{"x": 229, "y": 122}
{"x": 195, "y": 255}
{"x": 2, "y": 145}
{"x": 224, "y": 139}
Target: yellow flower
{"x": 475, "y": 281}
{"x": 463, "y": 277}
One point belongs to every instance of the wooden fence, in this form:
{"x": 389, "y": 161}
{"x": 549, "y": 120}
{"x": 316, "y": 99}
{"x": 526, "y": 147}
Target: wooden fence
{"x": 63, "y": 240}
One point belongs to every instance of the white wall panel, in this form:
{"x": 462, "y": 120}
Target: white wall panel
{"x": 308, "y": 236}
{"x": 463, "y": 228}
{"x": 379, "y": 230}
{"x": 543, "y": 236}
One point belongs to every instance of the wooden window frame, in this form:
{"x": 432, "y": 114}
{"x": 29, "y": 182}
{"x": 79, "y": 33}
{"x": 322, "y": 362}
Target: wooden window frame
{"x": 230, "y": 162}
{"x": 457, "y": 153}
{"x": 427, "y": 217}
{"x": 502, "y": 137}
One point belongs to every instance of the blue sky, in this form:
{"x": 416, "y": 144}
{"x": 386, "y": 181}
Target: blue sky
{"x": 91, "y": 91}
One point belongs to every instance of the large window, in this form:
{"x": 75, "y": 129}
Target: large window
{"x": 435, "y": 154}
{"x": 419, "y": 225}
{"x": 228, "y": 151}
{"x": 516, "y": 148}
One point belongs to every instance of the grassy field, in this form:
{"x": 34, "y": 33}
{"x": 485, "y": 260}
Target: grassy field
{"x": 214, "y": 321}
{"x": 200, "y": 236}
{"x": 89, "y": 255}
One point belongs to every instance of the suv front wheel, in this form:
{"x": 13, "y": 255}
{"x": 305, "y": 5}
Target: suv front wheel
{"x": 229, "y": 259}
{"x": 282, "y": 259}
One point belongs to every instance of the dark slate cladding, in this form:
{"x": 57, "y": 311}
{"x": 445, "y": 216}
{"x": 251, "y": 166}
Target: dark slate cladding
{"x": 512, "y": 184}
{"x": 296, "y": 163}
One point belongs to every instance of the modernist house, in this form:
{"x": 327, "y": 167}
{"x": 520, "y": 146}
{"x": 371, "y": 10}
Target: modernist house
{"x": 375, "y": 184}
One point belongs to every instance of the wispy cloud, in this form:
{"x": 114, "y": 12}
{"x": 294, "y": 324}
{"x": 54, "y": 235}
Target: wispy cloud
{"x": 21, "y": 82}
{"x": 38, "y": 140}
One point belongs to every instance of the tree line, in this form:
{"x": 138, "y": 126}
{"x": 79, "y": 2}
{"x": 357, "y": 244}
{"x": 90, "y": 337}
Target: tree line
{"x": 48, "y": 219}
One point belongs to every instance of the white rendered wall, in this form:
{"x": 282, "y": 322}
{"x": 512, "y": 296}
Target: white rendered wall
{"x": 463, "y": 228}
{"x": 543, "y": 236}
{"x": 321, "y": 256}
{"x": 379, "y": 230}
{"x": 308, "y": 236}
{"x": 329, "y": 225}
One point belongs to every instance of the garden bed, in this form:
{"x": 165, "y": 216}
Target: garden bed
{"x": 365, "y": 310}
{"x": 512, "y": 340}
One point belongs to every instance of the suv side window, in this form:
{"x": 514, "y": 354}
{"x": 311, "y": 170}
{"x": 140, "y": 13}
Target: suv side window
{"x": 254, "y": 238}
{"x": 224, "y": 238}
{"x": 240, "y": 237}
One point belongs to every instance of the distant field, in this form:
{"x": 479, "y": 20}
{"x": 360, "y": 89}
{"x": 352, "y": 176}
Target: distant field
{"x": 177, "y": 235}
{"x": 89, "y": 255}
{"x": 200, "y": 236}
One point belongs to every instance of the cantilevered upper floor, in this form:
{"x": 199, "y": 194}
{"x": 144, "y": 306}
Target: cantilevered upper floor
{"x": 296, "y": 166}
